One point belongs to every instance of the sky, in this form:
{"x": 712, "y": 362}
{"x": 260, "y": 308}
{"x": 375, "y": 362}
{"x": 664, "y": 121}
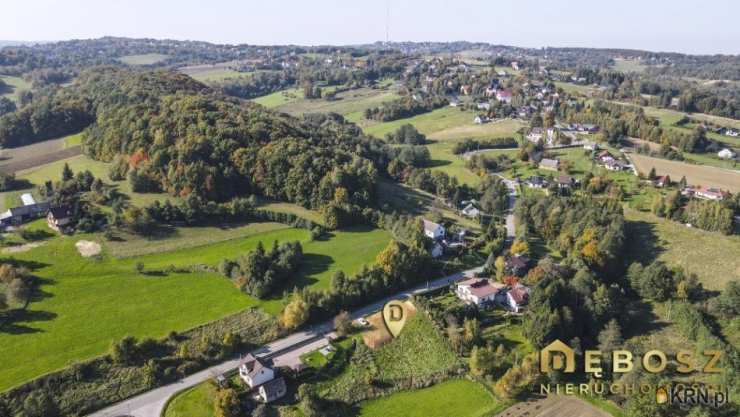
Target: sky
{"x": 703, "y": 27}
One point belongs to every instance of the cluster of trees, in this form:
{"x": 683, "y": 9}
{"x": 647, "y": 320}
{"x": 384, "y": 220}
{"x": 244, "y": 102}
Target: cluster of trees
{"x": 715, "y": 216}
{"x": 6, "y": 105}
{"x": 16, "y": 284}
{"x": 260, "y": 273}
{"x": 467, "y": 145}
{"x": 481, "y": 163}
{"x": 183, "y": 139}
{"x": 590, "y": 231}
{"x": 406, "y": 135}
{"x": 657, "y": 282}
{"x": 405, "y": 107}
{"x": 256, "y": 85}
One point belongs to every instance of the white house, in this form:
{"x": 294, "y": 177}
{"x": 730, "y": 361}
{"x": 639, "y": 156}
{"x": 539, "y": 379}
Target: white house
{"x": 433, "y": 230}
{"x": 27, "y": 199}
{"x": 484, "y": 106}
{"x": 504, "y": 96}
{"x": 471, "y": 211}
{"x": 732, "y": 132}
{"x": 255, "y": 373}
{"x": 517, "y": 297}
{"x": 726, "y": 153}
{"x": 549, "y": 164}
{"x": 272, "y": 390}
{"x": 479, "y": 291}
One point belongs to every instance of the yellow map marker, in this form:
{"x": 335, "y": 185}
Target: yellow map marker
{"x": 394, "y": 316}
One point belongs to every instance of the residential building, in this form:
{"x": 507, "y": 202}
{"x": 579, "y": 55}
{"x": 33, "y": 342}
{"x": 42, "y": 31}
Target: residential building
{"x": 565, "y": 181}
{"x": 433, "y": 230}
{"x": 604, "y": 157}
{"x": 615, "y": 165}
{"x": 516, "y": 265}
{"x": 27, "y": 199}
{"x": 710, "y": 193}
{"x": 590, "y": 146}
{"x": 479, "y": 291}
{"x": 19, "y": 215}
{"x": 549, "y": 164}
{"x": 484, "y": 106}
{"x": 272, "y": 390}
{"x": 517, "y": 297}
{"x": 662, "y": 181}
{"x": 480, "y": 119}
{"x": 254, "y": 372}
{"x": 59, "y": 217}
{"x": 504, "y": 96}
{"x": 732, "y": 132}
{"x": 536, "y": 181}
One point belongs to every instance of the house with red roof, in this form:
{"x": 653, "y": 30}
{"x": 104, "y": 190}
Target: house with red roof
{"x": 504, "y": 96}
{"x": 479, "y": 291}
{"x": 517, "y": 297}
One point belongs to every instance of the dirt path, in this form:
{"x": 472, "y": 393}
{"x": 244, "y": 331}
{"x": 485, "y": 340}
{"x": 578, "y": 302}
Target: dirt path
{"x": 22, "y": 248}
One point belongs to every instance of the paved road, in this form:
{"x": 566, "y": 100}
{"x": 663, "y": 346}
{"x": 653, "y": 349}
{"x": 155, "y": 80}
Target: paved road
{"x": 287, "y": 351}
{"x": 284, "y": 352}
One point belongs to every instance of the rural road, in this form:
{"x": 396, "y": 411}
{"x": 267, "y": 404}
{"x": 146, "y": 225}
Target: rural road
{"x": 288, "y": 350}
{"x": 284, "y": 352}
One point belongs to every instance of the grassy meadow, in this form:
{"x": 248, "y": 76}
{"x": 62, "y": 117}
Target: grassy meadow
{"x": 16, "y": 84}
{"x": 467, "y": 398}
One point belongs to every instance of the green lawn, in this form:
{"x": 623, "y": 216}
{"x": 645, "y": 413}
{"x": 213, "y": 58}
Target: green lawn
{"x": 143, "y": 59}
{"x": 280, "y": 98}
{"x": 73, "y": 140}
{"x": 195, "y": 402}
{"x": 16, "y": 84}
{"x": 59, "y": 327}
{"x": 461, "y": 398}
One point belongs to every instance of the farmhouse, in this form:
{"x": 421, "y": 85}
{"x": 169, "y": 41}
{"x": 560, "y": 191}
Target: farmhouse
{"x": 433, "y": 230}
{"x": 254, "y": 372}
{"x": 479, "y": 291}
{"x": 59, "y": 217}
{"x": 537, "y": 134}
{"x": 726, "y": 154}
{"x": 549, "y": 164}
{"x": 272, "y": 390}
{"x": 19, "y": 215}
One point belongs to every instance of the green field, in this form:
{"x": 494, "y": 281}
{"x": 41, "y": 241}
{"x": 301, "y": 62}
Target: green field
{"x": 280, "y": 98}
{"x": 466, "y": 398}
{"x": 711, "y": 256}
{"x": 16, "y": 84}
{"x": 58, "y": 327}
{"x": 73, "y": 140}
{"x": 53, "y": 171}
{"x": 143, "y": 59}
{"x": 352, "y": 102}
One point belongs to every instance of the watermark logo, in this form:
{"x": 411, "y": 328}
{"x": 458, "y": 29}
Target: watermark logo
{"x": 394, "y": 316}
{"x": 557, "y": 356}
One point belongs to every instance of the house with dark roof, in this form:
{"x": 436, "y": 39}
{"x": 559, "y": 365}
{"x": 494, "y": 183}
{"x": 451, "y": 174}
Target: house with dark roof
{"x": 254, "y": 372}
{"x": 516, "y": 264}
{"x": 565, "y": 181}
{"x": 59, "y": 217}
{"x": 19, "y": 215}
{"x": 272, "y": 390}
